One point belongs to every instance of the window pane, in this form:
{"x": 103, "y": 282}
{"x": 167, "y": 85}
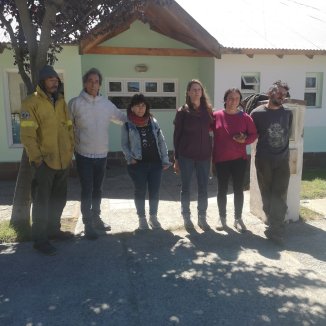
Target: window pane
{"x": 15, "y": 125}
{"x": 150, "y": 87}
{"x": 249, "y": 80}
{"x": 133, "y": 87}
{"x": 310, "y": 99}
{"x": 121, "y": 102}
{"x": 311, "y": 82}
{"x": 167, "y": 103}
{"x": 168, "y": 87}
{"x": 246, "y": 86}
{"x": 115, "y": 86}
{"x": 17, "y": 92}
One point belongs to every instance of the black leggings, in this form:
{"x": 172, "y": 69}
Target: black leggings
{"x": 236, "y": 169}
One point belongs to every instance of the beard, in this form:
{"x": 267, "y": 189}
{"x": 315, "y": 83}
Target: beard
{"x": 276, "y": 101}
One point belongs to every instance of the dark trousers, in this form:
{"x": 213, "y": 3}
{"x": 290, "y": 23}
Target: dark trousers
{"x": 187, "y": 166}
{"x": 49, "y": 196}
{"x": 146, "y": 175}
{"x": 91, "y": 173}
{"x": 273, "y": 180}
{"x": 235, "y": 169}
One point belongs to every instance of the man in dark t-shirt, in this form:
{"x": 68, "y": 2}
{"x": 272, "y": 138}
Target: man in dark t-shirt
{"x": 273, "y": 125}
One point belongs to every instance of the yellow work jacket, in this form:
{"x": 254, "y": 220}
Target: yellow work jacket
{"x": 46, "y": 130}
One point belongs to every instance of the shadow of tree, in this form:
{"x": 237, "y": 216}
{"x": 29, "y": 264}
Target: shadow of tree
{"x": 159, "y": 278}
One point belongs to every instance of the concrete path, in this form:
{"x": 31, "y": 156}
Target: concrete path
{"x": 166, "y": 277}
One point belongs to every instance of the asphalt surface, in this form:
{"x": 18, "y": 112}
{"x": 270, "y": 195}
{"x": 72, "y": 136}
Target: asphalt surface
{"x": 164, "y": 277}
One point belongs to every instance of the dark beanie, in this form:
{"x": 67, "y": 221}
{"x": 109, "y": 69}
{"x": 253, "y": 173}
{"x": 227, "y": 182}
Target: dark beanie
{"x": 46, "y": 72}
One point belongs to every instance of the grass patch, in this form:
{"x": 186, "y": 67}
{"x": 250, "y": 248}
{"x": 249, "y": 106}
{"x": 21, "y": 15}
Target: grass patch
{"x": 313, "y": 184}
{"x": 7, "y": 233}
{"x": 307, "y": 214}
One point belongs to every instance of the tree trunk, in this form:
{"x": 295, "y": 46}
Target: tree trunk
{"x": 20, "y": 217}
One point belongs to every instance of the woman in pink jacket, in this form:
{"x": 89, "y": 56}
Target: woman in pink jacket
{"x": 233, "y": 130}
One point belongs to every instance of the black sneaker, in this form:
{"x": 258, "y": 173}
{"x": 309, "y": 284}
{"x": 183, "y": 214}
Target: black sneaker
{"x": 98, "y": 224}
{"x": 90, "y": 233}
{"x": 60, "y": 235}
{"x": 45, "y": 248}
{"x": 274, "y": 237}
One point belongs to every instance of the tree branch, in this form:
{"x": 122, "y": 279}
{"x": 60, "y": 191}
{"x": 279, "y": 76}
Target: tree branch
{"x": 17, "y": 50}
{"x": 27, "y": 27}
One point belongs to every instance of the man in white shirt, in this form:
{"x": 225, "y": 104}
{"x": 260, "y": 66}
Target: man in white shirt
{"x": 91, "y": 115}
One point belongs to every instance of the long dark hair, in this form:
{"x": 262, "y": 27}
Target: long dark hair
{"x": 137, "y": 99}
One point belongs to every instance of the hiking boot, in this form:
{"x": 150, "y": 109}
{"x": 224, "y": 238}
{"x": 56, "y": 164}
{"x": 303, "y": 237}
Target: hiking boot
{"x": 202, "y": 223}
{"x": 61, "y": 235}
{"x": 45, "y": 248}
{"x": 154, "y": 223}
{"x": 90, "y": 232}
{"x": 143, "y": 225}
{"x": 98, "y": 224}
{"x": 274, "y": 237}
{"x": 221, "y": 224}
{"x": 239, "y": 225}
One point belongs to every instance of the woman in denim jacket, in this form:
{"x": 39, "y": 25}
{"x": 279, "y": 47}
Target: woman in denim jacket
{"x": 146, "y": 153}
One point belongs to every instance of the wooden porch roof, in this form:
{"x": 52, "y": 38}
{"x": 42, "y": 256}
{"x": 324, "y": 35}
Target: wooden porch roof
{"x": 174, "y": 22}
{"x": 171, "y": 21}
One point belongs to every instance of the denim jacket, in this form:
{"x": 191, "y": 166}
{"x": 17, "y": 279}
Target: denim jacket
{"x": 131, "y": 142}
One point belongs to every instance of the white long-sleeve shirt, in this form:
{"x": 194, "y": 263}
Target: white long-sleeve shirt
{"x": 91, "y": 117}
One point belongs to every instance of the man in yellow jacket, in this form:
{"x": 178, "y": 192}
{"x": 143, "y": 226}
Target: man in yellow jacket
{"x": 47, "y": 135}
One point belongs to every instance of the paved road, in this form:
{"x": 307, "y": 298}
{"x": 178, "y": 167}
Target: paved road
{"x": 166, "y": 277}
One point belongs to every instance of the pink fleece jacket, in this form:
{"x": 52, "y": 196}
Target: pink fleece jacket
{"x": 225, "y": 127}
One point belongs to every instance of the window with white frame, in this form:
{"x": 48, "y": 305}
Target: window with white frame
{"x": 160, "y": 93}
{"x": 15, "y": 92}
{"x": 313, "y": 89}
{"x": 250, "y": 83}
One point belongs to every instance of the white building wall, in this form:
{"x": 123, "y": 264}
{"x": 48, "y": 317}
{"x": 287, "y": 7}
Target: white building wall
{"x": 291, "y": 69}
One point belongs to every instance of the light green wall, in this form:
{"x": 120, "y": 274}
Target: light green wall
{"x": 139, "y": 35}
{"x": 68, "y": 63}
{"x": 181, "y": 68}
{"x": 206, "y": 75}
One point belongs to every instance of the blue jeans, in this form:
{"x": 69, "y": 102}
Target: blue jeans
{"x": 146, "y": 175}
{"x": 236, "y": 169}
{"x": 187, "y": 166}
{"x": 91, "y": 175}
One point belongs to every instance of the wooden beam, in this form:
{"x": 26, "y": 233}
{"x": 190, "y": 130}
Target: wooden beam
{"x": 148, "y": 51}
{"x": 93, "y": 41}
